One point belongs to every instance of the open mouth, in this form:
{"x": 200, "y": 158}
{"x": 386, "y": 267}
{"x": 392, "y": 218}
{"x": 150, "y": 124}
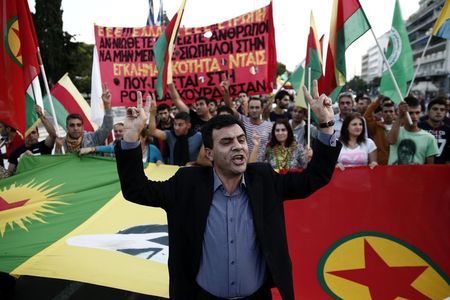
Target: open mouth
{"x": 238, "y": 159}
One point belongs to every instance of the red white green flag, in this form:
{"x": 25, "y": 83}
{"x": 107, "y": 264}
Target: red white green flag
{"x": 18, "y": 63}
{"x": 348, "y": 23}
{"x": 313, "y": 59}
{"x": 163, "y": 50}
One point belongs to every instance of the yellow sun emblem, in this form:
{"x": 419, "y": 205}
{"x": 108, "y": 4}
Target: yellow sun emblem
{"x": 20, "y": 204}
{"x": 12, "y": 41}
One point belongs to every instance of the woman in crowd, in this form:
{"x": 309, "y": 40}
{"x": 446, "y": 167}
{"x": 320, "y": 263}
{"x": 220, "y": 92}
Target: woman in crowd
{"x": 357, "y": 150}
{"x": 282, "y": 151}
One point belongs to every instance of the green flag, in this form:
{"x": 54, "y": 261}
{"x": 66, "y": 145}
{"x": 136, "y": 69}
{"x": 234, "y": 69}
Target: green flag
{"x": 399, "y": 55}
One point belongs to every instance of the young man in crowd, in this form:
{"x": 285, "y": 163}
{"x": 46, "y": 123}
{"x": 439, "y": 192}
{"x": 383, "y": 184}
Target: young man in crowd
{"x": 409, "y": 143}
{"x": 434, "y": 124}
{"x": 379, "y": 129}
{"x": 345, "y": 103}
{"x": 77, "y": 138}
{"x": 282, "y": 99}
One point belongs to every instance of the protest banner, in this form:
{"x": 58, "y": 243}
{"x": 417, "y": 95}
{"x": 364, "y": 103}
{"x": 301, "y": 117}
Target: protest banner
{"x": 242, "y": 48}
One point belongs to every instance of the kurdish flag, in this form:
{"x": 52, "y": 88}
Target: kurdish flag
{"x": 348, "y": 23}
{"x": 67, "y": 99}
{"x": 313, "y": 59}
{"x": 442, "y": 26}
{"x": 18, "y": 63}
{"x": 64, "y": 217}
{"x": 163, "y": 50}
{"x": 400, "y": 59}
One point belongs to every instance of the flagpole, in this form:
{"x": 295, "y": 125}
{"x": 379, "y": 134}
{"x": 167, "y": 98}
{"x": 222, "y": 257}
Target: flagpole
{"x": 308, "y": 128}
{"x": 390, "y": 73}
{"x": 47, "y": 89}
{"x": 418, "y": 65}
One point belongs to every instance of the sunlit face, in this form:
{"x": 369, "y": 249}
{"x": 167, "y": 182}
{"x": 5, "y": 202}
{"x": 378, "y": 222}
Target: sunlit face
{"x": 298, "y": 114}
{"x": 32, "y": 138}
{"x": 118, "y": 131}
{"x": 74, "y": 128}
{"x": 355, "y": 127}
{"x": 414, "y": 112}
{"x": 201, "y": 107}
{"x": 437, "y": 112}
{"x": 181, "y": 127}
{"x": 230, "y": 151}
{"x": 283, "y": 102}
{"x": 388, "y": 113}
{"x": 254, "y": 109}
{"x": 345, "y": 105}
{"x": 281, "y": 133}
{"x": 164, "y": 115}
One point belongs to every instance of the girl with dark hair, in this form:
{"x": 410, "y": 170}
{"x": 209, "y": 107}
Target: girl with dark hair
{"x": 357, "y": 150}
{"x": 282, "y": 151}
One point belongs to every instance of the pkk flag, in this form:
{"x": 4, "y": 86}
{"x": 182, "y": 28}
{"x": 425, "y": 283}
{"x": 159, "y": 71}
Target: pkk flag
{"x": 348, "y": 23}
{"x": 33, "y": 97}
{"x": 163, "y": 50}
{"x": 313, "y": 61}
{"x": 66, "y": 100}
{"x": 442, "y": 26}
{"x": 400, "y": 58}
{"x": 18, "y": 63}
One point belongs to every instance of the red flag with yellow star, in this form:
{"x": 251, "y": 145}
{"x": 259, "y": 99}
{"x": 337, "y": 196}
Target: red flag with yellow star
{"x": 18, "y": 63}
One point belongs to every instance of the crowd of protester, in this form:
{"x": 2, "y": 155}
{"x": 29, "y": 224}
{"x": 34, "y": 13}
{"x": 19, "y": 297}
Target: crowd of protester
{"x": 373, "y": 131}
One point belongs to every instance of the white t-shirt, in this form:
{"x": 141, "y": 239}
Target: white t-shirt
{"x": 358, "y": 156}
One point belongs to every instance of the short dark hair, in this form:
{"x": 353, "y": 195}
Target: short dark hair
{"x": 72, "y": 117}
{"x": 202, "y": 98}
{"x": 182, "y": 115}
{"x": 224, "y": 109}
{"x": 344, "y": 94}
{"x": 345, "y": 137}
{"x": 281, "y": 94}
{"x": 438, "y": 100}
{"x": 218, "y": 122}
{"x": 256, "y": 99}
{"x": 412, "y": 101}
{"x": 290, "y": 138}
{"x": 162, "y": 107}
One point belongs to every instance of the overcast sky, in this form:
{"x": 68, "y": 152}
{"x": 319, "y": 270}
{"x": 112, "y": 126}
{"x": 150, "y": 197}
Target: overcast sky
{"x": 291, "y": 18}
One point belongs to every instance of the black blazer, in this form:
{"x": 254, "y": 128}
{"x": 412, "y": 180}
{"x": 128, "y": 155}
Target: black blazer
{"x": 186, "y": 197}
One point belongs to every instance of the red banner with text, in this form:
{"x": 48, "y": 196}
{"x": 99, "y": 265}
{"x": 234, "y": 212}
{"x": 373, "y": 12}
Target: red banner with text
{"x": 242, "y": 48}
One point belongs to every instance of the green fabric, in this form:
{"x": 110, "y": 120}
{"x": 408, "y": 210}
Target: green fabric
{"x": 61, "y": 192}
{"x": 353, "y": 28}
{"x": 420, "y": 146}
{"x": 400, "y": 58}
{"x": 31, "y": 116}
{"x": 61, "y": 112}
{"x": 160, "y": 50}
{"x": 296, "y": 78}
{"x": 314, "y": 64}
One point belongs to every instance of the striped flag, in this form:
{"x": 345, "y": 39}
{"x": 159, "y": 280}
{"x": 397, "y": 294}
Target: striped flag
{"x": 348, "y": 23}
{"x": 313, "y": 59}
{"x": 163, "y": 50}
{"x": 160, "y": 19}
{"x": 67, "y": 99}
{"x": 442, "y": 26}
{"x": 151, "y": 14}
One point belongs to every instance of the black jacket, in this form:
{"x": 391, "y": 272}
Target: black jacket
{"x": 186, "y": 197}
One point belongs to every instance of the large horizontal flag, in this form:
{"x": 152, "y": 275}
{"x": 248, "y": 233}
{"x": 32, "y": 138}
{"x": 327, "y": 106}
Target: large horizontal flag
{"x": 163, "y": 51}
{"x": 18, "y": 63}
{"x": 66, "y": 100}
{"x": 442, "y": 26}
{"x": 348, "y": 23}
{"x": 400, "y": 58}
{"x": 381, "y": 243}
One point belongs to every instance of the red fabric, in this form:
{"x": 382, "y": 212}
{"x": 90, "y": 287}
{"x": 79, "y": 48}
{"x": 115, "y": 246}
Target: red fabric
{"x": 408, "y": 203}
{"x": 71, "y": 104}
{"x": 272, "y": 58}
{"x": 18, "y": 61}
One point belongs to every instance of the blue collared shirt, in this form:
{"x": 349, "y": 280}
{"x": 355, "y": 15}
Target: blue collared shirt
{"x": 232, "y": 264}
